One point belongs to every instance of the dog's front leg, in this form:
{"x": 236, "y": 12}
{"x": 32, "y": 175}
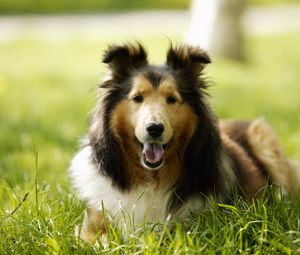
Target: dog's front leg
{"x": 94, "y": 227}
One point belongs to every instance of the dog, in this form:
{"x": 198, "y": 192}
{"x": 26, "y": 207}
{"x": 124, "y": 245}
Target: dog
{"x": 156, "y": 151}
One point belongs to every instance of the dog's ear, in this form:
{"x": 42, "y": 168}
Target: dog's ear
{"x": 124, "y": 58}
{"x": 188, "y": 59}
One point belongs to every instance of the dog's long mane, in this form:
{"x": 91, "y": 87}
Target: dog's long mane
{"x": 203, "y": 154}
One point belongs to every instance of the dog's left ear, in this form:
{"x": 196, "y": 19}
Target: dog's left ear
{"x": 122, "y": 59}
{"x": 188, "y": 59}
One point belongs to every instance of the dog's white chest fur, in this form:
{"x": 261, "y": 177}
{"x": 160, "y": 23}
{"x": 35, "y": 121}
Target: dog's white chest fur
{"x": 139, "y": 205}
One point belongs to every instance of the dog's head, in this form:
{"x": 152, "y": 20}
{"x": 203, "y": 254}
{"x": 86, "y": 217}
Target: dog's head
{"x": 149, "y": 115}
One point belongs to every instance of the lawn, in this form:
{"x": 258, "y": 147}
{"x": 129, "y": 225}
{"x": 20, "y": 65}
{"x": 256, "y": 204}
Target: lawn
{"x": 47, "y": 90}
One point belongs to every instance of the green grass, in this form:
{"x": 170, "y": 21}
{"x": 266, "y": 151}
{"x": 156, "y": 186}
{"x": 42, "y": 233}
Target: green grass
{"x": 46, "y": 93}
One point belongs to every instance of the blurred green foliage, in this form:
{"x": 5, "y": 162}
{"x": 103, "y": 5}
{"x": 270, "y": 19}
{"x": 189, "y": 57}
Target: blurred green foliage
{"x": 93, "y": 6}
{"x": 87, "y": 6}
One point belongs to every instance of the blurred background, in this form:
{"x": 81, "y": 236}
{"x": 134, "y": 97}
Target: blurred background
{"x": 50, "y": 63}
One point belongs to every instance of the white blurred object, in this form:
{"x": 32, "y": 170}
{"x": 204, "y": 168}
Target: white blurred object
{"x": 203, "y": 18}
{"x": 216, "y": 26}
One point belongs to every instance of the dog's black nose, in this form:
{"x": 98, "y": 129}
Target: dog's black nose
{"x": 155, "y": 129}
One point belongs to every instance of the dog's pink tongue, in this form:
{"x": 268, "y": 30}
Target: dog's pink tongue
{"x": 153, "y": 152}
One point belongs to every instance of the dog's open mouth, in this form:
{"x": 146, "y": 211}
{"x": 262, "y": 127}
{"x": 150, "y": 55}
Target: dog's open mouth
{"x": 153, "y": 155}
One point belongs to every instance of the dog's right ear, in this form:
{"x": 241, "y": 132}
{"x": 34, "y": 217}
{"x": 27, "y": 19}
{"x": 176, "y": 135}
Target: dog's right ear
{"x": 122, "y": 59}
{"x": 191, "y": 60}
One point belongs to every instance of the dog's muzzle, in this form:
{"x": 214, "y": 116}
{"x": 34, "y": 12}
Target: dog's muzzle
{"x": 152, "y": 150}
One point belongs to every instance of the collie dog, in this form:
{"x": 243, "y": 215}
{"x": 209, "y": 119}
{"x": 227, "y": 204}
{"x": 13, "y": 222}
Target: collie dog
{"x": 156, "y": 151}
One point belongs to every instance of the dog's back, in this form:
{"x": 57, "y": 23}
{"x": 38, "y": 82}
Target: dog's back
{"x": 258, "y": 157}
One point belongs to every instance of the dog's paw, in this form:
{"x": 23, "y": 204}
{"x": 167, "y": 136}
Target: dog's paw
{"x": 97, "y": 239}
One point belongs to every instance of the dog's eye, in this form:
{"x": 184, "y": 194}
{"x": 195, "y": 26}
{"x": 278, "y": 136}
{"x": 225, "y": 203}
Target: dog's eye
{"x": 138, "y": 99}
{"x": 171, "y": 100}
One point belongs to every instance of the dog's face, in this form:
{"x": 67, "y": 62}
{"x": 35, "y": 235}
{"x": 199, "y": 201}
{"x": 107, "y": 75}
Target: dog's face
{"x": 157, "y": 118}
{"x": 153, "y": 117}
{"x": 152, "y": 111}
